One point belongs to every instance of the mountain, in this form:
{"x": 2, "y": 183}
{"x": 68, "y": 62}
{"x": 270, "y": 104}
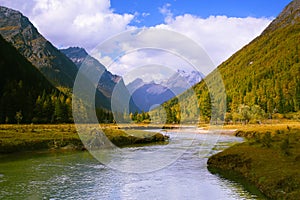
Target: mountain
{"x": 20, "y": 85}
{"x": 288, "y": 17}
{"x": 110, "y": 85}
{"x": 266, "y": 72}
{"x": 262, "y": 77}
{"x": 182, "y": 80}
{"x": 134, "y": 85}
{"x": 54, "y": 65}
{"x": 190, "y": 78}
{"x": 107, "y": 81}
{"x": 18, "y": 30}
{"x": 146, "y": 95}
{"x": 76, "y": 54}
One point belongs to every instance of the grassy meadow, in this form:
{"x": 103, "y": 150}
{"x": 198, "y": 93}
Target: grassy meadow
{"x": 267, "y": 125}
{"x": 17, "y": 138}
{"x": 269, "y": 159}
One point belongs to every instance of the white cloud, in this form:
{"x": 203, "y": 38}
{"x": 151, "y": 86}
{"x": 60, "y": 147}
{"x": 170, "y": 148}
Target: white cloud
{"x": 83, "y": 23}
{"x": 152, "y": 46}
{"x": 166, "y": 11}
{"x": 134, "y": 65}
{"x": 220, "y": 36}
{"x": 87, "y": 23}
{"x": 73, "y": 23}
{"x": 145, "y": 14}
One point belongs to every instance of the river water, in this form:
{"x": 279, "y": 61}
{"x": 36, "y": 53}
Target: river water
{"x": 78, "y": 175}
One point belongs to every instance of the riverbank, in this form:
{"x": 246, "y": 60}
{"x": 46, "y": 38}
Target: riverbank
{"x": 18, "y": 138}
{"x": 269, "y": 159}
{"x": 78, "y": 175}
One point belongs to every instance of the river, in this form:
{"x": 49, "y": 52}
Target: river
{"x": 78, "y": 175}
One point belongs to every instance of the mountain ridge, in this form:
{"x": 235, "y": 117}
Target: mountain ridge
{"x": 107, "y": 81}
{"x": 290, "y": 15}
{"x": 18, "y": 30}
{"x": 76, "y": 54}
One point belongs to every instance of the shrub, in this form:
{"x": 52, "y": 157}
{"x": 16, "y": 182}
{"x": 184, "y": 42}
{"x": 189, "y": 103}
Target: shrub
{"x": 285, "y": 145}
{"x": 266, "y": 140}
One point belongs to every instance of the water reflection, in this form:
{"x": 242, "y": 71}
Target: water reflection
{"x": 79, "y": 176}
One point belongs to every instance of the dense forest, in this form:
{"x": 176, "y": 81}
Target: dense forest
{"x": 20, "y": 85}
{"x": 26, "y": 96}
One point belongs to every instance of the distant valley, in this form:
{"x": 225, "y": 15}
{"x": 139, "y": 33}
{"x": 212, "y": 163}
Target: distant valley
{"x": 148, "y": 95}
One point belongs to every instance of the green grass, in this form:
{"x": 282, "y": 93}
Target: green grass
{"x": 269, "y": 159}
{"x": 268, "y": 125}
{"x": 17, "y": 138}
{"x": 130, "y": 137}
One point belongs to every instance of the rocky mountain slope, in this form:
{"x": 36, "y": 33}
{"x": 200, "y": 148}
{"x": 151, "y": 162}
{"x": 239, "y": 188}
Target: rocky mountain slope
{"x": 107, "y": 81}
{"x": 18, "y": 30}
{"x": 182, "y": 80}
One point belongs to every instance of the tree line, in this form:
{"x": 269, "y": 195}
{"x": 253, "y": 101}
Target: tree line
{"x": 55, "y": 107}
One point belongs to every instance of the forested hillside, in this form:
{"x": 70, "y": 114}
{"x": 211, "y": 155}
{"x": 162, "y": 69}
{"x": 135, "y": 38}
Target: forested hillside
{"x": 261, "y": 80}
{"x": 26, "y": 96}
{"x": 23, "y": 89}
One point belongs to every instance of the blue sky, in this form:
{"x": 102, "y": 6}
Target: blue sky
{"x": 201, "y": 8}
{"x": 220, "y": 27}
